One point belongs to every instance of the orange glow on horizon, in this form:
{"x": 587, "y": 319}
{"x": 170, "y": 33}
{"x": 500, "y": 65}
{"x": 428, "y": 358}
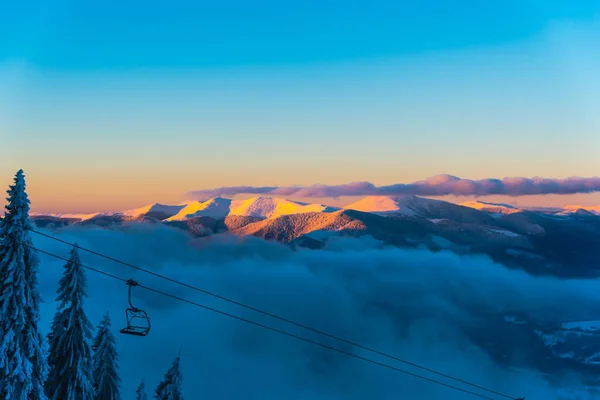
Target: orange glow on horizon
{"x": 91, "y": 204}
{"x": 82, "y": 193}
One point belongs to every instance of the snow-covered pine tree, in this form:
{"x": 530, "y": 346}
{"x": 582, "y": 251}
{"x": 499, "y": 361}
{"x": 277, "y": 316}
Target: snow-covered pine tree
{"x": 140, "y": 393}
{"x": 23, "y": 364}
{"x": 170, "y": 387}
{"x": 70, "y": 356}
{"x": 105, "y": 363}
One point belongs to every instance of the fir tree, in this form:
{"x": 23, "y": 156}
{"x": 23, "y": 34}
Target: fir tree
{"x": 70, "y": 355}
{"x": 105, "y": 363}
{"x": 23, "y": 365}
{"x": 170, "y": 387}
{"x": 140, "y": 393}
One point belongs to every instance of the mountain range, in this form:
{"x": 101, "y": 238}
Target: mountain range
{"x": 560, "y": 242}
{"x": 554, "y": 242}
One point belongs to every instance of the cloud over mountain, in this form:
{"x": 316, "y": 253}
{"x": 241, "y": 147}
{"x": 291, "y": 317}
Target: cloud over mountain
{"x": 436, "y": 309}
{"x": 439, "y": 185}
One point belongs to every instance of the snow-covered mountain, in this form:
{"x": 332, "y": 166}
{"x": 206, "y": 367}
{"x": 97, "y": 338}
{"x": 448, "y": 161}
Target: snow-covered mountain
{"x": 269, "y": 208}
{"x": 413, "y": 206}
{"x": 287, "y": 228}
{"x": 573, "y": 209}
{"x": 261, "y": 207}
{"x": 156, "y": 211}
{"x": 557, "y": 243}
{"x": 493, "y": 208}
{"x": 567, "y": 337}
{"x": 400, "y": 205}
{"x": 497, "y": 209}
{"x": 541, "y": 242}
{"x": 215, "y": 208}
{"x": 68, "y": 216}
{"x": 166, "y": 211}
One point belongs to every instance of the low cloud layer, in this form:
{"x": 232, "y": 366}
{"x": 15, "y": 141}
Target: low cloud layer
{"x": 439, "y": 185}
{"x": 413, "y": 304}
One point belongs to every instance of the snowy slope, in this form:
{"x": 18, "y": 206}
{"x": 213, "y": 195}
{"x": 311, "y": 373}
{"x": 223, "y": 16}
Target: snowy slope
{"x": 579, "y": 341}
{"x": 155, "y": 208}
{"x": 268, "y": 207}
{"x": 575, "y": 209}
{"x": 261, "y": 207}
{"x": 413, "y": 206}
{"x": 81, "y": 217}
{"x": 384, "y": 204}
{"x": 291, "y": 226}
{"x": 217, "y": 208}
{"x": 494, "y": 208}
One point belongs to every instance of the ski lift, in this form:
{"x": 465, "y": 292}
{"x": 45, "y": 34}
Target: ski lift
{"x": 138, "y": 323}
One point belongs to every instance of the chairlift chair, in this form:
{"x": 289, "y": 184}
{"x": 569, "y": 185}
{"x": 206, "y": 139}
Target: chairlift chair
{"x": 138, "y": 322}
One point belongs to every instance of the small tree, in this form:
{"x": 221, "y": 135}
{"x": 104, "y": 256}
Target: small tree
{"x": 140, "y": 393}
{"x": 105, "y": 363}
{"x": 70, "y": 355}
{"x": 170, "y": 387}
{"x": 23, "y": 365}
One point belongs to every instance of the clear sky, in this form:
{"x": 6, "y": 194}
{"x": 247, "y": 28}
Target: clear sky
{"x": 110, "y": 105}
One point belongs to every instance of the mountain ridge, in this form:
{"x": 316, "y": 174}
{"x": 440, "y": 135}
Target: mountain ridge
{"x": 262, "y": 207}
{"x": 555, "y": 243}
{"x": 272, "y": 207}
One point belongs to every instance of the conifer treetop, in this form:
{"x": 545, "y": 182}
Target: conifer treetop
{"x": 18, "y": 202}
{"x": 73, "y": 284}
{"x": 170, "y": 387}
{"x": 23, "y": 363}
{"x": 16, "y": 221}
{"x": 106, "y": 376}
{"x": 70, "y": 351}
{"x": 140, "y": 393}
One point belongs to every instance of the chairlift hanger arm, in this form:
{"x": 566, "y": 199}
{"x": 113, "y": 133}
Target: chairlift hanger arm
{"x": 131, "y": 283}
{"x": 133, "y": 315}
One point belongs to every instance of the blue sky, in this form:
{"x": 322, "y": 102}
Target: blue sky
{"x": 191, "y": 95}
{"x": 75, "y": 36}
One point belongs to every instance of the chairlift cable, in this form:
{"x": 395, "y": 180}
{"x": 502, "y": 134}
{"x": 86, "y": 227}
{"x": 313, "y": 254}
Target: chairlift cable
{"x": 258, "y": 324}
{"x": 270, "y": 314}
